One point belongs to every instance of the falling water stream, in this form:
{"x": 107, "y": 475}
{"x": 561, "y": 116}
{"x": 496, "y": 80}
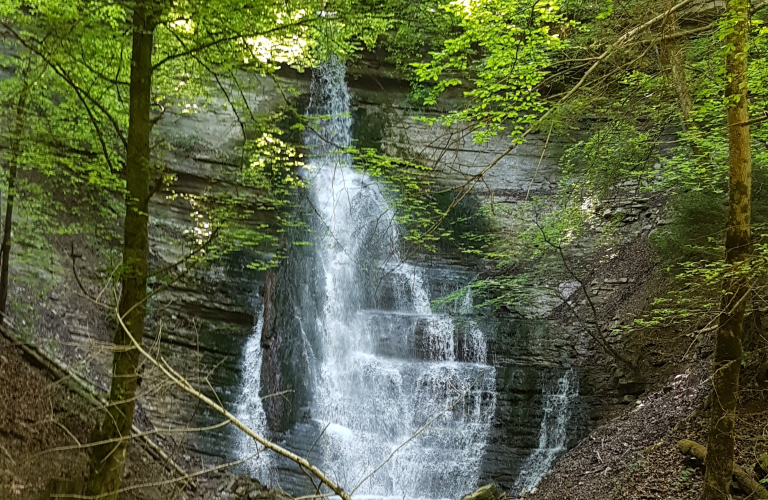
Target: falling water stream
{"x": 559, "y": 397}
{"x": 389, "y": 380}
{"x": 402, "y": 396}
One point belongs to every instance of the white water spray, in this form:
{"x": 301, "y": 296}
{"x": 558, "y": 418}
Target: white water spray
{"x": 558, "y": 403}
{"x": 371, "y": 400}
{"x": 250, "y": 409}
{"x": 386, "y": 364}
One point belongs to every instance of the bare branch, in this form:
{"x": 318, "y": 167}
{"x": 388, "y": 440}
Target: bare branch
{"x": 186, "y": 477}
{"x": 184, "y": 384}
{"x": 597, "y": 335}
{"x": 213, "y": 43}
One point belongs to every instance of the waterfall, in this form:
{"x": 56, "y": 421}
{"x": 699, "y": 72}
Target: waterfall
{"x": 388, "y": 363}
{"x": 249, "y": 409}
{"x": 558, "y": 399}
{"x": 475, "y": 347}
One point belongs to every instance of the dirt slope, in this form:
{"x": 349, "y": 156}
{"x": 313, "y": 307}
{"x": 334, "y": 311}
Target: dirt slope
{"x": 39, "y": 417}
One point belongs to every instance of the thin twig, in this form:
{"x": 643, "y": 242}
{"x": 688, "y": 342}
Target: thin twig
{"x": 184, "y": 384}
{"x": 186, "y": 477}
{"x": 419, "y": 431}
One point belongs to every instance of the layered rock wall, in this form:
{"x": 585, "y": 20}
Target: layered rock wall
{"x": 201, "y": 322}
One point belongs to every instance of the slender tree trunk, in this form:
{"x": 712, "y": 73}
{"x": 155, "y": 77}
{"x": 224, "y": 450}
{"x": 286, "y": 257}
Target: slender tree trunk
{"x": 672, "y": 58}
{"x": 728, "y": 350}
{"x": 107, "y": 461}
{"x": 13, "y": 164}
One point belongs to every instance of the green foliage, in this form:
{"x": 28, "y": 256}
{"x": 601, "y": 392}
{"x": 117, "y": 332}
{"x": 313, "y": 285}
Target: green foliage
{"x": 616, "y": 152}
{"x": 692, "y": 244}
{"x": 64, "y": 185}
{"x": 696, "y": 230}
{"x": 408, "y": 189}
{"x": 698, "y": 298}
{"x": 708, "y": 171}
{"x": 417, "y": 28}
{"x": 272, "y": 162}
{"x": 77, "y": 55}
{"x": 500, "y": 55}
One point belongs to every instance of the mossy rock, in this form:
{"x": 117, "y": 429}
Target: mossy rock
{"x": 487, "y": 492}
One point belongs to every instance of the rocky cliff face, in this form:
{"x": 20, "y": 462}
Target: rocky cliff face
{"x": 201, "y": 323}
{"x": 529, "y": 352}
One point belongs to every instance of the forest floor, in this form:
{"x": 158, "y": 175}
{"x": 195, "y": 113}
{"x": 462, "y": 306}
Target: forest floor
{"x": 635, "y": 455}
{"x": 42, "y": 426}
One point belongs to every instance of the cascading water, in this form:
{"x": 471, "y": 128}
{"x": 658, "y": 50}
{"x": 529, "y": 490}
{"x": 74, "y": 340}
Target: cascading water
{"x": 393, "y": 398}
{"x": 402, "y": 410}
{"x": 559, "y": 399}
{"x": 372, "y": 399}
{"x": 250, "y": 410}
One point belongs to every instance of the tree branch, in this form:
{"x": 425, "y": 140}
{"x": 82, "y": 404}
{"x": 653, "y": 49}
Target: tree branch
{"x": 215, "y": 42}
{"x": 59, "y": 71}
{"x": 182, "y": 383}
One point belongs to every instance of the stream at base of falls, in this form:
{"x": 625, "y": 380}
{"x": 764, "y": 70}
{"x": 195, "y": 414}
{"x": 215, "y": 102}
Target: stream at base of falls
{"x": 403, "y": 396}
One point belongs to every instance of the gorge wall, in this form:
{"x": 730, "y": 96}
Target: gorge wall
{"x": 202, "y": 323}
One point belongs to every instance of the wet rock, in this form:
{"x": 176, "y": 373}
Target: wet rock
{"x": 487, "y": 492}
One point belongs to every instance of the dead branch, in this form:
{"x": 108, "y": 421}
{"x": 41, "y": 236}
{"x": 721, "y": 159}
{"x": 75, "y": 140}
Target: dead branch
{"x": 90, "y": 393}
{"x": 746, "y": 481}
{"x": 184, "y": 384}
{"x": 186, "y": 477}
{"x": 80, "y": 446}
{"x": 7, "y": 454}
{"x": 597, "y": 335}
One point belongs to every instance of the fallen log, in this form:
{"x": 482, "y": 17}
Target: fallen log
{"x": 747, "y": 482}
{"x": 80, "y": 386}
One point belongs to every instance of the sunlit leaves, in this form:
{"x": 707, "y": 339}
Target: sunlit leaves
{"x": 78, "y": 124}
{"x": 615, "y": 152}
{"x": 499, "y": 59}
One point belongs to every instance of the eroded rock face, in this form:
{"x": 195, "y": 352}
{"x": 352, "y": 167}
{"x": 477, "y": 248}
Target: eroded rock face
{"x": 212, "y": 312}
{"x": 286, "y": 361}
{"x": 207, "y": 316}
{"x": 531, "y": 356}
{"x": 277, "y": 410}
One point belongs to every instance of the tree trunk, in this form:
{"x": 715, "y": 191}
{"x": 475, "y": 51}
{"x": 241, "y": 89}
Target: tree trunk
{"x": 747, "y": 482}
{"x": 107, "y": 461}
{"x": 13, "y": 163}
{"x": 672, "y": 58}
{"x": 728, "y": 350}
